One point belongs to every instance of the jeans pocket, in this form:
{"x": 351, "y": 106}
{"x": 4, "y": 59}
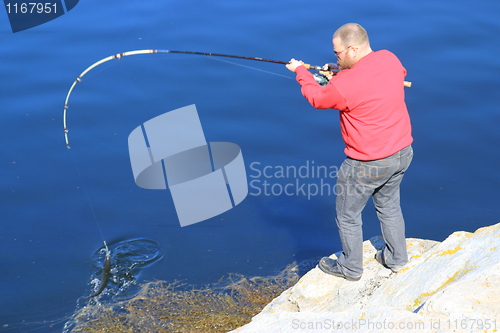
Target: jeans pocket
{"x": 371, "y": 174}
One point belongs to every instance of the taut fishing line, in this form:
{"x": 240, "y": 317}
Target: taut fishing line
{"x": 107, "y": 261}
{"x": 89, "y": 201}
{"x": 254, "y": 68}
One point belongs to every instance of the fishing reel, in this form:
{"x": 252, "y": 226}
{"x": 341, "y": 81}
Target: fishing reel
{"x": 329, "y": 68}
{"x": 321, "y": 79}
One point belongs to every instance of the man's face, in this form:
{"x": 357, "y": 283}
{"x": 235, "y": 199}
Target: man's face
{"x": 343, "y": 54}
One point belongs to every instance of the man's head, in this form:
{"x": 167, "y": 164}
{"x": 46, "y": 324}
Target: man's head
{"x": 350, "y": 44}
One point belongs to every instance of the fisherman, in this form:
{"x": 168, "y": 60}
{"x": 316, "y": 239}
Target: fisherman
{"x": 376, "y": 129}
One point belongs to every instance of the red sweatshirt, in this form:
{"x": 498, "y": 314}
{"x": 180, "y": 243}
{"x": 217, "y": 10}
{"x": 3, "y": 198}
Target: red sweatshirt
{"x": 374, "y": 120}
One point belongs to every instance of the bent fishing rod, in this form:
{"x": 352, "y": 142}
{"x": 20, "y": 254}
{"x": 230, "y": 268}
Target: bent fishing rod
{"x": 119, "y": 56}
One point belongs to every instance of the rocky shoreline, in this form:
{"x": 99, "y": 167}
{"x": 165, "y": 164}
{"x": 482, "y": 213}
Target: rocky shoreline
{"x": 452, "y": 286}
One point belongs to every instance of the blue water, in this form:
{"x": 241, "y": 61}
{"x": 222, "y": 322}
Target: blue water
{"x": 55, "y": 201}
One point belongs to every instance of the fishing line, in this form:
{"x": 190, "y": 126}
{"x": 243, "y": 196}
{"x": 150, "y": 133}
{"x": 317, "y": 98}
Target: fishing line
{"x": 106, "y": 268}
{"x": 250, "y": 67}
{"x": 80, "y": 176}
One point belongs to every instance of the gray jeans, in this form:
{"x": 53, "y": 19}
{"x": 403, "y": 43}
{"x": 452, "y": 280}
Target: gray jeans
{"x": 380, "y": 179}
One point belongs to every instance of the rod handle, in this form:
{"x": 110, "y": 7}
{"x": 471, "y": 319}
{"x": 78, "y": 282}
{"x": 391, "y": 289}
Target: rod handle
{"x": 316, "y": 68}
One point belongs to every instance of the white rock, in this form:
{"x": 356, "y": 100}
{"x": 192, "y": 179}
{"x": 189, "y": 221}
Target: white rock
{"x": 453, "y": 286}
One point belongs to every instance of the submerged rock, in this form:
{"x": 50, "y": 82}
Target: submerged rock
{"x": 449, "y": 286}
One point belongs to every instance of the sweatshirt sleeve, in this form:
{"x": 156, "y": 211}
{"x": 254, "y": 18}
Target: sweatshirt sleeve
{"x": 320, "y": 97}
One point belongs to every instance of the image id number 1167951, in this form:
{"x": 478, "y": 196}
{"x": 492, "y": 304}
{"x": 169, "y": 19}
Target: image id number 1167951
{"x": 31, "y": 8}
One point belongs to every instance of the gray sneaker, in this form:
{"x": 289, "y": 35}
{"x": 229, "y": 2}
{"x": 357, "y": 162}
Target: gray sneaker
{"x": 379, "y": 256}
{"x": 329, "y": 266}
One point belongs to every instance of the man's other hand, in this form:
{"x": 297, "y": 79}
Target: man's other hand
{"x": 293, "y": 64}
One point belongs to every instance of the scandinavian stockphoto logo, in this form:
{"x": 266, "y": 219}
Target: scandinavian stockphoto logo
{"x": 205, "y": 179}
{"x": 308, "y": 180}
{"x": 28, "y": 14}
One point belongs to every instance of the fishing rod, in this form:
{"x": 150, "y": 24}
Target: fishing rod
{"x": 136, "y": 52}
{"x": 331, "y": 67}
{"x": 316, "y": 68}
{"x": 320, "y": 78}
